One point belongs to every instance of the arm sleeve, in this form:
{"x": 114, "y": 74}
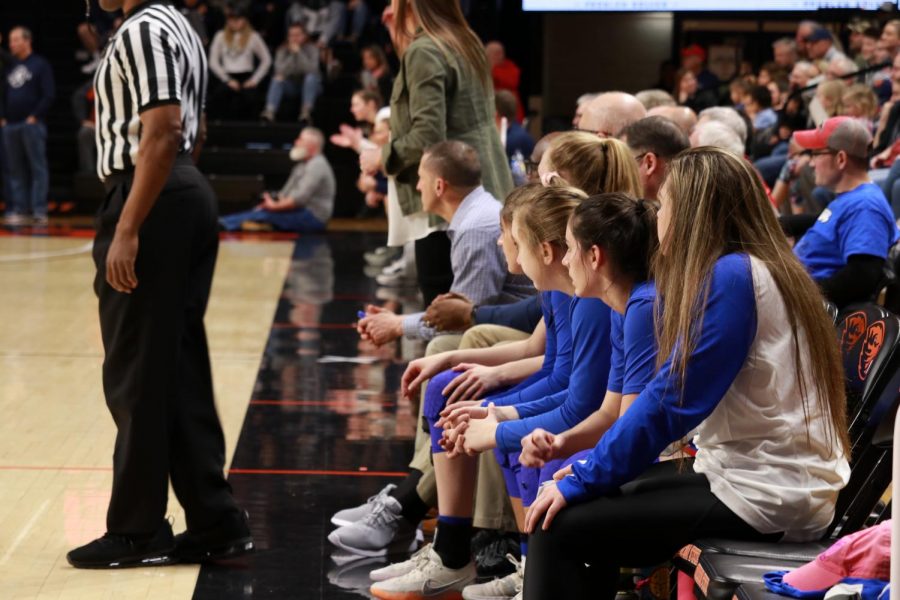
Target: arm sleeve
{"x": 866, "y": 231}
{"x": 426, "y": 74}
{"x": 522, "y": 315}
{"x": 662, "y": 413}
{"x": 151, "y": 65}
{"x": 590, "y": 372}
{"x": 556, "y": 370}
{"x": 639, "y": 341}
{"x": 48, "y": 91}
{"x": 282, "y": 64}
{"x": 478, "y": 268}
{"x": 617, "y": 354}
{"x": 856, "y": 281}
{"x": 261, "y": 51}
{"x": 414, "y": 327}
{"x": 310, "y": 182}
{"x": 216, "y": 51}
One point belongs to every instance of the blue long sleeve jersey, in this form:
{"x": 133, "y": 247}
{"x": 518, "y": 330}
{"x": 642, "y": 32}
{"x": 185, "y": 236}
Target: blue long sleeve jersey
{"x": 662, "y": 413}
{"x": 633, "y": 361}
{"x": 591, "y": 350}
{"x": 554, "y": 373}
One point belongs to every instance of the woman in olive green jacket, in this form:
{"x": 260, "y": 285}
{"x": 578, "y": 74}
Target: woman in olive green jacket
{"x": 443, "y": 91}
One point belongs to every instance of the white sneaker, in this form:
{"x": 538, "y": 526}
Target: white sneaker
{"x": 348, "y": 516}
{"x": 15, "y": 219}
{"x": 397, "y": 267}
{"x": 429, "y": 579}
{"x": 505, "y": 588}
{"x": 380, "y": 532}
{"x": 400, "y": 568}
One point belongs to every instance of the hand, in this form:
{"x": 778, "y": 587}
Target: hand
{"x": 380, "y": 326}
{"x": 347, "y": 137}
{"x": 234, "y": 85}
{"x": 365, "y": 183}
{"x": 269, "y": 203}
{"x": 419, "y": 371}
{"x": 370, "y": 160}
{"x": 250, "y": 84}
{"x": 31, "y": 120}
{"x": 450, "y": 312}
{"x": 453, "y": 416}
{"x": 538, "y": 448}
{"x": 120, "y": 260}
{"x": 374, "y": 199}
{"x": 452, "y": 440}
{"x": 549, "y": 501}
{"x": 473, "y": 382}
{"x": 562, "y": 473}
{"x": 481, "y": 434}
{"x": 461, "y": 404}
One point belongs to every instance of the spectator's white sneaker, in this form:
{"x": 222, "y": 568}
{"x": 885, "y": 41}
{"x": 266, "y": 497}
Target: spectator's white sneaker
{"x": 380, "y": 532}
{"x": 381, "y": 256}
{"x": 15, "y": 219}
{"x": 348, "y": 516}
{"x": 505, "y": 588}
{"x": 429, "y": 579}
{"x": 400, "y": 568}
{"x": 40, "y": 221}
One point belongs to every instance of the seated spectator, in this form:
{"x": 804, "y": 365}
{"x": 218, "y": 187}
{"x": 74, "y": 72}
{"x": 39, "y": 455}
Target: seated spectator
{"x": 802, "y": 74}
{"x": 305, "y": 202}
{"x": 296, "y": 74}
{"x": 580, "y": 103}
{"x": 856, "y": 29}
{"x": 505, "y": 73}
{"x": 784, "y": 52}
{"x": 758, "y": 107}
{"x": 232, "y": 56}
{"x": 748, "y": 478}
{"x": 684, "y": 117}
{"x": 840, "y": 67}
{"x": 888, "y": 129}
{"x": 518, "y": 141}
{"x": 450, "y": 184}
{"x": 779, "y": 88}
{"x": 376, "y": 75}
{"x": 688, "y": 92}
{"x": 821, "y": 48}
{"x": 728, "y": 117}
{"x": 804, "y": 29}
{"x": 717, "y": 135}
{"x": 693, "y": 59}
{"x": 197, "y": 12}
{"x": 828, "y": 97}
{"x": 653, "y": 98}
{"x": 890, "y": 37}
{"x": 860, "y": 102}
{"x": 654, "y": 141}
{"x": 868, "y": 46}
{"x": 767, "y": 72}
{"x": 608, "y": 113}
{"x": 738, "y": 90}
{"x": 845, "y": 250}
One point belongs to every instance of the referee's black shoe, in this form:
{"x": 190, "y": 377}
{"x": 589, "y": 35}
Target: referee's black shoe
{"x": 229, "y": 539}
{"x": 114, "y": 551}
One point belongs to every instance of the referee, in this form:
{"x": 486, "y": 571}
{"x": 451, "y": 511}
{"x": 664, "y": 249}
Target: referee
{"x": 155, "y": 252}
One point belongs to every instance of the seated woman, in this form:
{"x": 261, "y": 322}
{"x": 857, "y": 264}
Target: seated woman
{"x": 748, "y": 354}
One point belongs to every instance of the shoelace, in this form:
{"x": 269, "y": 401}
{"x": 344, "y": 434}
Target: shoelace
{"x": 380, "y": 514}
{"x": 520, "y": 571}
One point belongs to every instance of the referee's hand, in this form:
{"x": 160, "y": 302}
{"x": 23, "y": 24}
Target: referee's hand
{"x": 120, "y": 262}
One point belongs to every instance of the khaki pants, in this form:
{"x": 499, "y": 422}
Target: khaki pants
{"x": 492, "y": 508}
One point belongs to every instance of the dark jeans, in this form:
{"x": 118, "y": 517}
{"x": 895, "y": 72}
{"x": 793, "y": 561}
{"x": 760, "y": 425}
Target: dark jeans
{"x": 435, "y": 273}
{"x": 226, "y": 103}
{"x": 156, "y": 372}
{"x": 29, "y": 177}
{"x": 644, "y": 525}
{"x": 300, "y": 220}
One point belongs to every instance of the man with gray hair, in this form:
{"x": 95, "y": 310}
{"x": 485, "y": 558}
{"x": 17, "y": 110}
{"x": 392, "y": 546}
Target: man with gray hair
{"x": 840, "y": 66}
{"x": 845, "y": 250}
{"x": 653, "y": 98}
{"x": 726, "y": 116}
{"x": 305, "y": 202}
{"x": 718, "y": 135}
{"x": 609, "y": 113}
{"x": 784, "y": 51}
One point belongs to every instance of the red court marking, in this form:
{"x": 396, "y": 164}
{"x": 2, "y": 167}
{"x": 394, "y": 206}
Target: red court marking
{"x": 311, "y": 472}
{"x": 319, "y": 326}
{"x": 315, "y": 402}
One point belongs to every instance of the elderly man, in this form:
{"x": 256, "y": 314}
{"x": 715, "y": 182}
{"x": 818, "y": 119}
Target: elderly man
{"x": 609, "y": 113}
{"x": 306, "y": 201}
{"x": 820, "y": 47}
{"x": 684, "y": 117}
{"x": 655, "y": 141}
{"x": 784, "y": 51}
{"x": 653, "y": 98}
{"x": 845, "y": 249}
{"x": 802, "y": 75}
{"x": 580, "y": 105}
{"x": 728, "y": 117}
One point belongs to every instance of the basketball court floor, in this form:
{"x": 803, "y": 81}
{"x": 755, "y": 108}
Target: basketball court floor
{"x": 311, "y": 417}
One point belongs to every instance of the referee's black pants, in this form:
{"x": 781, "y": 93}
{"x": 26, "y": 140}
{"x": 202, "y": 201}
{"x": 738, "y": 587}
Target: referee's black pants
{"x": 156, "y": 373}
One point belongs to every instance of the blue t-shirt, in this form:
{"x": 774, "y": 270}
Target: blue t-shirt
{"x": 661, "y": 413}
{"x": 856, "y": 222}
{"x": 590, "y": 373}
{"x": 633, "y": 361}
{"x": 29, "y": 89}
{"x": 553, "y": 375}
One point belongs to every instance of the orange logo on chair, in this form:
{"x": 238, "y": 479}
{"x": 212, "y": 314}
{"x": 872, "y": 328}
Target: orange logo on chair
{"x": 872, "y": 344}
{"x": 854, "y": 328}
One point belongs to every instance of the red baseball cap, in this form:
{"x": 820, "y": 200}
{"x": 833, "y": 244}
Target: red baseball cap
{"x": 694, "y": 50}
{"x": 837, "y": 133}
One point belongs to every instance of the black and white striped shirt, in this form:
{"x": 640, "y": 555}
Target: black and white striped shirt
{"x": 155, "y": 58}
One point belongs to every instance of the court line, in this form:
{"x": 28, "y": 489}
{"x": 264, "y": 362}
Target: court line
{"x": 316, "y": 402}
{"x": 311, "y": 472}
{"x": 24, "y": 532}
{"x": 77, "y": 251}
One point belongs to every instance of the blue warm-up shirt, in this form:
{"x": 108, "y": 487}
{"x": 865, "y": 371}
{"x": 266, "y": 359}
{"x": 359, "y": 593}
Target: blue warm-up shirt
{"x": 661, "y": 413}
{"x": 29, "y": 89}
{"x": 553, "y": 375}
{"x": 633, "y": 361}
{"x": 856, "y": 222}
{"x": 591, "y": 350}
{"x": 523, "y": 315}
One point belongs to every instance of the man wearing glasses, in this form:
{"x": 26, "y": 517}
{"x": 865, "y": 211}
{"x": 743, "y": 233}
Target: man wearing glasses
{"x": 845, "y": 249}
{"x": 608, "y": 114}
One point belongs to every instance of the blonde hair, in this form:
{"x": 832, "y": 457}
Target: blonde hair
{"x": 543, "y": 217}
{"x": 444, "y": 23}
{"x": 719, "y": 192}
{"x": 516, "y": 198}
{"x": 862, "y": 95}
{"x": 238, "y": 40}
{"x": 593, "y": 164}
{"x": 834, "y": 91}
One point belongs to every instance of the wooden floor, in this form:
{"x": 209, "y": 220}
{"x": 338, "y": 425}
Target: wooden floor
{"x": 56, "y": 436}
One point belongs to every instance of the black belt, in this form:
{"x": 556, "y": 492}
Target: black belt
{"x": 117, "y": 178}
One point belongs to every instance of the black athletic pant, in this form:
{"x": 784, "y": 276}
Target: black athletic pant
{"x": 434, "y": 272}
{"x": 156, "y": 373}
{"x": 645, "y": 525}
